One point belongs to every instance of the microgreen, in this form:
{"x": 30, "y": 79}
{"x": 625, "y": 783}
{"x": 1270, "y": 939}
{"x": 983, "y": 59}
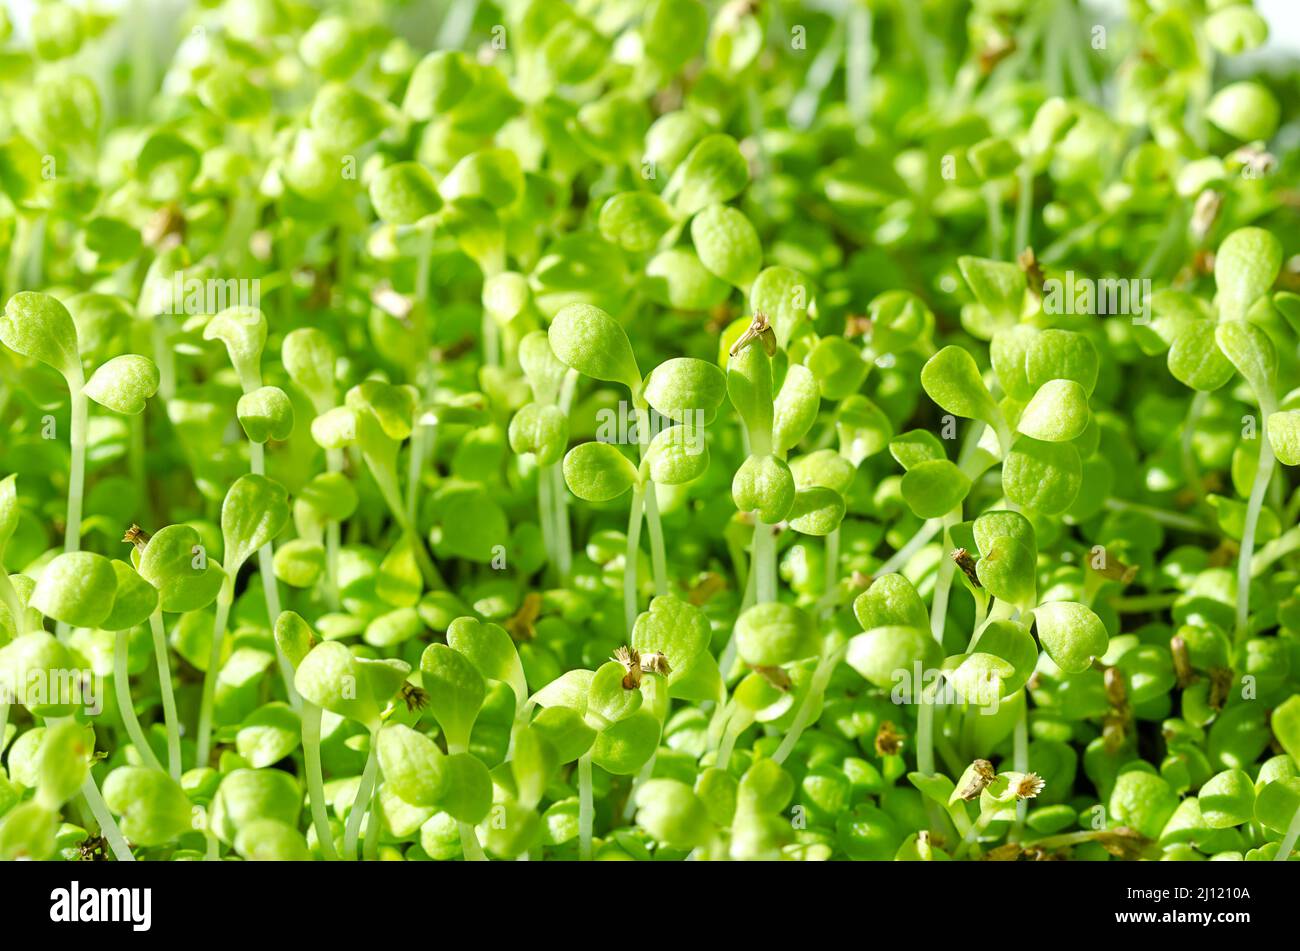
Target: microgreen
{"x": 343, "y": 370}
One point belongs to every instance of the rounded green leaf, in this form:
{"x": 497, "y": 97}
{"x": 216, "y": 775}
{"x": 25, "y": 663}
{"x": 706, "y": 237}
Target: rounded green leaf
{"x": 404, "y": 193}
{"x": 685, "y": 389}
{"x": 677, "y": 455}
{"x": 250, "y": 795}
{"x": 1042, "y": 476}
{"x": 489, "y": 648}
{"x": 1062, "y": 355}
{"x": 598, "y": 472}
{"x": 254, "y": 511}
{"x": 1058, "y": 412}
{"x": 294, "y": 636}
{"x": 1195, "y": 359}
{"x": 670, "y": 811}
{"x": 153, "y": 808}
{"x": 883, "y": 655}
{"x": 768, "y": 635}
{"x": 727, "y": 244}
{"x": 796, "y": 406}
{"x": 134, "y": 600}
{"x": 635, "y": 221}
{"x": 891, "y": 601}
{"x": 308, "y": 357}
{"x": 124, "y": 383}
{"x": 816, "y": 511}
{"x": 76, "y": 588}
{"x": 1071, "y": 634}
{"x": 243, "y": 331}
{"x": 624, "y": 747}
{"x": 935, "y": 488}
{"x": 412, "y": 765}
{"x": 566, "y": 730}
{"x": 266, "y": 413}
{"x": 1251, "y": 351}
{"x": 714, "y": 171}
{"x": 595, "y": 344}
{"x": 1283, "y": 436}
{"x": 1246, "y": 110}
{"x": 39, "y": 326}
{"x": 1227, "y": 799}
{"x": 174, "y": 561}
{"x": 456, "y": 692}
{"x": 764, "y": 485}
{"x": 1245, "y": 267}
{"x": 1008, "y": 571}
{"x": 541, "y": 429}
{"x": 953, "y": 381}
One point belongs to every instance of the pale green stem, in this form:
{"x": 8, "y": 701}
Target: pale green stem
{"x": 821, "y": 676}
{"x": 764, "y": 564}
{"x": 1287, "y": 844}
{"x": 1263, "y": 473}
{"x": 1024, "y": 206}
{"x": 204, "y": 737}
{"x": 586, "y": 809}
{"x": 1172, "y": 519}
{"x": 900, "y": 558}
{"x": 421, "y": 439}
{"x": 76, "y": 478}
{"x": 858, "y": 56}
{"x": 270, "y": 586}
{"x": 656, "y": 531}
{"x": 630, "y": 608}
{"x": 125, "y": 705}
{"x": 563, "y": 544}
{"x": 107, "y": 824}
{"x": 353, "y": 830}
{"x": 170, "y": 719}
{"x": 740, "y": 720}
{"x": 311, "y": 715}
{"x": 943, "y": 583}
{"x": 164, "y": 356}
{"x": 1020, "y": 757}
{"x": 546, "y": 515}
{"x": 333, "y": 539}
{"x": 371, "y": 848}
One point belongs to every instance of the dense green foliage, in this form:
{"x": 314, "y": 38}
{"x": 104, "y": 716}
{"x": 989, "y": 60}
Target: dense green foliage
{"x": 649, "y": 430}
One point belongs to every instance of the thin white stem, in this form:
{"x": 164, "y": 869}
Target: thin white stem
{"x": 204, "y": 737}
{"x": 353, "y": 831}
{"x": 271, "y": 587}
{"x": 107, "y": 824}
{"x": 630, "y": 558}
{"x": 311, "y": 715}
{"x": 1020, "y": 755}
{"x": 76, "y": 478}
{"x": 586, "y": 809}
{"x": 125, "y": 705}
{"x": 812, "y": 699}
{"x": 656, "y": 531}
{"x": 1287, "y": 845}
{"x": 563, "y": 544}
{"x": 764, "y": 563}
{"x": 170, "y": 719}
{"x": 1263, "y": 473}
